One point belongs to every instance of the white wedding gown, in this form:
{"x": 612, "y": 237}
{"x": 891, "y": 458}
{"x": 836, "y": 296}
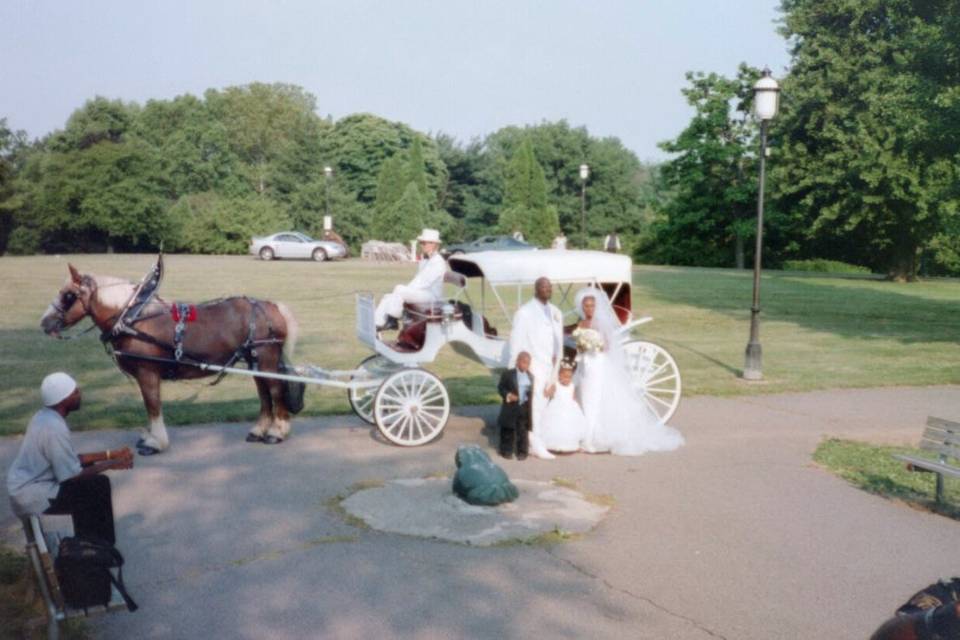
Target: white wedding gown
{"x": 564, "y": 425}
{"x": 618, "y": 420}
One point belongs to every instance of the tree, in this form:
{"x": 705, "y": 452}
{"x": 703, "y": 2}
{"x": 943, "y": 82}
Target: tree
{"x": 525, "y": 206}
{"x": 712, "y": 178}
{"x": 13, "y": 151}
{"x": 615, "y": 201}
{"x": 403, "y": 221}
{"x": 870, "y": 127}
{"x": 266, "y": 126}
{"x": 359, "y": 144}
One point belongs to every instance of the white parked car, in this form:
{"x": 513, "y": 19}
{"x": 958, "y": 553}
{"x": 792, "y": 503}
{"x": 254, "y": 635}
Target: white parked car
{"x": 293, "y": 244}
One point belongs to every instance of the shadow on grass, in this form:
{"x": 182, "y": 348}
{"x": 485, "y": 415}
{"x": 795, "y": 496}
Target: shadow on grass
{"x": 851, "y": 307}
{"x": 873, "y": 468}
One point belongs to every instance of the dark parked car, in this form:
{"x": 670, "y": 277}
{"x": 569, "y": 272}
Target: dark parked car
{"x": 488, "y": 243}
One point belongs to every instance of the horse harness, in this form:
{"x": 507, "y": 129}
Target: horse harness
{"x": 182, "y": 314}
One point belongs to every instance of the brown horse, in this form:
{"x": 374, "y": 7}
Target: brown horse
{"x": 219, "y": 332}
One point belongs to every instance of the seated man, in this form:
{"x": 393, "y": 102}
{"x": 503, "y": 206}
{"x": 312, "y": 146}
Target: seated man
{"x": 48, "y": 476}
{"x": 426, "y": 286}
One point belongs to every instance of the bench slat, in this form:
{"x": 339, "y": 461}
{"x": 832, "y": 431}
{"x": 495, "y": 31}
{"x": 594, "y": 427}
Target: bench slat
{"x": 931, "y": 465}
{"x": 940, "y": 423}
{"x": 940, "y": 432}
{"x": 939, "y": 447}
{"x": 939, "y": 435}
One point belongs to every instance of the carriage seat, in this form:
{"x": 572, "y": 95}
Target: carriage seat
{"x": 430, "y": 311}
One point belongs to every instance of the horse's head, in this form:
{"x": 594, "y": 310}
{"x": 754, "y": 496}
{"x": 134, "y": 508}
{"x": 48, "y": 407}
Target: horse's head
{"x": 71, "y": 304}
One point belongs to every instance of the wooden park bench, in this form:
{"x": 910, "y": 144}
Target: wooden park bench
{"x": 39, "y": 543}
{"x": 942, "y": 437}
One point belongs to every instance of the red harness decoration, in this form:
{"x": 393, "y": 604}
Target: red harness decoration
{"x": 186, "y": 312}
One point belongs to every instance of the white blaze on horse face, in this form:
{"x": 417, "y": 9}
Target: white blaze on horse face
{"x": 50, "y": 319}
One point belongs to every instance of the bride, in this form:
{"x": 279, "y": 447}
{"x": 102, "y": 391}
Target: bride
{"x": 618, "y": 419}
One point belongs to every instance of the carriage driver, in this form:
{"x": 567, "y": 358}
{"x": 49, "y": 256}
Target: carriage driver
{"x": 426, "y": 286}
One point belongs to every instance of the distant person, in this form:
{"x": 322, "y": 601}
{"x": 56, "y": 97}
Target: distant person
{"x": 48, "y": 476}
{"x": 560, "y": 242}
{"x": 611, "y": 243}
{"x": 426, "y": 286}
{"x": 932, "y": 613}
{"x": 332, "y": 236}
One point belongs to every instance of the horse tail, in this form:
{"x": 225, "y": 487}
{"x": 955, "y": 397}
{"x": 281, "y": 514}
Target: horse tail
{"x": 292, "y": 329}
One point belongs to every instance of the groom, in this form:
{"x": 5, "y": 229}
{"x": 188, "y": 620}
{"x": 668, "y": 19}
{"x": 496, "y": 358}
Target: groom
{"x": 538, "y": 330}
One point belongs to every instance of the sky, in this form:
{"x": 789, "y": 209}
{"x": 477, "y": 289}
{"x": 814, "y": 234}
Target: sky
{"x": 462, "y": 68}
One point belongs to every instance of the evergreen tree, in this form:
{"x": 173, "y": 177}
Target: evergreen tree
{"x": 416, "y": 170}
{"x": 403, "y": 221}
{"x": 391, "y": 182}
{"x": 525, "y": 206}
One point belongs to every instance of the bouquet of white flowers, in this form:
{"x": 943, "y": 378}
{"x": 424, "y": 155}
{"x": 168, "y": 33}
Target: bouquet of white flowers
{"x": 588, "y": 340}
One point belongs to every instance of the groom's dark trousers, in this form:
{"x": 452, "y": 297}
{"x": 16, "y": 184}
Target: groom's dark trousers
{"x": 514, "y": 418}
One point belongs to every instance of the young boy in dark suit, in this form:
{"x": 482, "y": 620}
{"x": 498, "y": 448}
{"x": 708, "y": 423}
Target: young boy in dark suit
{"x": 516, "y": 386}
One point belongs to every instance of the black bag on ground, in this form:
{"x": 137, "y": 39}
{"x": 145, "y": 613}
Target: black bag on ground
{"x": 83, "y": 567}
{"x": 293, "y": 392}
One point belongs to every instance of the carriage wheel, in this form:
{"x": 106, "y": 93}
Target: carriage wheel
{"x": 655, "y": 376}
{"x": 411, "y": 407}
{"x": 361, "y": 400}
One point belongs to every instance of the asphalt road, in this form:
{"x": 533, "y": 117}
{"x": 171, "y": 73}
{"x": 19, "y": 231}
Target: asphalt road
{"x": 736, "y": 535}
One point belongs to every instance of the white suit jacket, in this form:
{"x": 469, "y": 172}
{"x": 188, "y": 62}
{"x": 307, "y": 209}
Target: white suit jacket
{"x": 540, "y": 336}
{"x": 430, "y": 276}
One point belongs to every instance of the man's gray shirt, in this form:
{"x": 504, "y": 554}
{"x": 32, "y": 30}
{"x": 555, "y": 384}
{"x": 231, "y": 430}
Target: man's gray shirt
{"x": 46, "y": 458}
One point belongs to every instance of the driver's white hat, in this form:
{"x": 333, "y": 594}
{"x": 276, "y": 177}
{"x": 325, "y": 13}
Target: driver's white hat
{"x": 429, "y": 235}
{"x": 56, "y": 388}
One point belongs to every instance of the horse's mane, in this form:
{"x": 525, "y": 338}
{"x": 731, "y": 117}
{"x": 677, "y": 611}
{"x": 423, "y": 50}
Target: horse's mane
{"x": 112, "y": 291}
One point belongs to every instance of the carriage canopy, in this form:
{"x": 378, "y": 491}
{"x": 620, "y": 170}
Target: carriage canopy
{"x": 524, "y": 267}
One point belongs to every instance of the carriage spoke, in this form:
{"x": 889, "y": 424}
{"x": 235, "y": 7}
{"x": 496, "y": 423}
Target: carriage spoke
{"x": 664, "y": 403}
{"x": 672, "y": 376}
{"x": 671, "y": 391}
{"x": 647, "y": 376}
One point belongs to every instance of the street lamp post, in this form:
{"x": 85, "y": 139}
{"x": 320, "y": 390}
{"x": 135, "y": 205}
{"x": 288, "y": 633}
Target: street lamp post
{"x": 766, "y": 99}
{"x": 584, "y": 174}
{"x": 327, "y": 173}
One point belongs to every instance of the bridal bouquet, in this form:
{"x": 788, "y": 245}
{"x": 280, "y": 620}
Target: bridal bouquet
{"x": 588, "y": 340}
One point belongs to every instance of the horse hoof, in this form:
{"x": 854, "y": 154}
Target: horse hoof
{"x": 272, "y": 440}
{"x": 146, "y": 450}
{"x": 251, "y": 437}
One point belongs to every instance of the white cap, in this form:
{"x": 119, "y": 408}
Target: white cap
{"x": 56, "y": 388}
{"x": 429, "y": 235}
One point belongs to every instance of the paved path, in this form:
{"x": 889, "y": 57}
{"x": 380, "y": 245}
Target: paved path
{"x": 737, "y": 535}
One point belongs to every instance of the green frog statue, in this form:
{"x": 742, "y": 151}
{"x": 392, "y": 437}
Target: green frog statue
{"x": 478, "y": 481}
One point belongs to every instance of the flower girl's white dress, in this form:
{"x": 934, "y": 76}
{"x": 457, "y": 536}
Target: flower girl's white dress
{"x": 564, "y": 425}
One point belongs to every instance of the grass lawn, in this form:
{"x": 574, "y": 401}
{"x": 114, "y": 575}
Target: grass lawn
{"x": 817, "y": 332}
{"x": 873, "y": 468}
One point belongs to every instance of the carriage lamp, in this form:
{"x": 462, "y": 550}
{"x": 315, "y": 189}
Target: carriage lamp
{"x": 766, "y": 103}
{"x": 584, "y": 174}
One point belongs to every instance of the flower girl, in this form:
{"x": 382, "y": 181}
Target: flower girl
{"x": 564, "y": 425}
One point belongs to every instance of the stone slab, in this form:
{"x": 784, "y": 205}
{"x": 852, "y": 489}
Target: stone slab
{"x": 427, "y": 507}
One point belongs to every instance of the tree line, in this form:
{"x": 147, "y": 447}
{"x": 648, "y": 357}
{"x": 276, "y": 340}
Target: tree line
{"x": 203, "y": 174}
{"x": 863, "y": 168}
{"x": 865, "y": 153}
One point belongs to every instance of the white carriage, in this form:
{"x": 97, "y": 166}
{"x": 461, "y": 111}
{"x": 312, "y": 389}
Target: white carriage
{"x": 410, "y": 406}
